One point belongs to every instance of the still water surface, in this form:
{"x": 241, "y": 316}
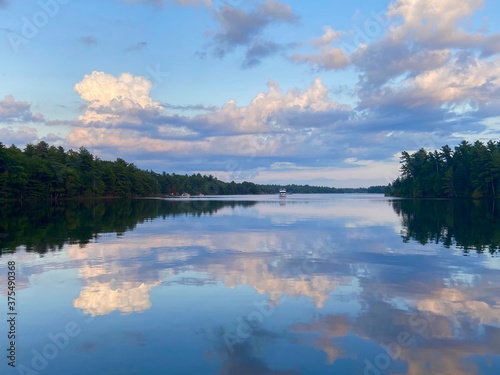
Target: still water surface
{"x": 310, "y": 284}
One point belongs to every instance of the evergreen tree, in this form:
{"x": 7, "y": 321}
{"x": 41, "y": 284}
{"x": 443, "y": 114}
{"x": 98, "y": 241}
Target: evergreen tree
{"x": 467, "y": 171}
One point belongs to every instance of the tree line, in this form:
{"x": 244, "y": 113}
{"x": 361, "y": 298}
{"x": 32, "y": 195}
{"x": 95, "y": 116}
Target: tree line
{"x": 468, "y": 170}
{"x": 40, "y": 171}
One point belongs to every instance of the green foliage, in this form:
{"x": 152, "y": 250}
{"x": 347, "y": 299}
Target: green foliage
{"x": 47, "y": 172}
{"x": 470, "y": 170}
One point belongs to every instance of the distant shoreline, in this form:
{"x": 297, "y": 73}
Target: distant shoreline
{"x": 86, "y": 199}
{"x": 44, "y": 172}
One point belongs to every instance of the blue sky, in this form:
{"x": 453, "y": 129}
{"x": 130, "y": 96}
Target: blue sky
{"x": 323, "y": 92}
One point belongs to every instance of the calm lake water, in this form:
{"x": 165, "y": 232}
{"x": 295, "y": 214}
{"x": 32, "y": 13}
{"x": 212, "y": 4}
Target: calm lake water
{"x": 310, "y": 284}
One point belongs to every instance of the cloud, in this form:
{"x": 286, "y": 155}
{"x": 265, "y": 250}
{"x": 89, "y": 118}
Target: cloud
{"x": 120, "y": 113}
{"x": 422, "y": 36}
{"x": 103, "y": 298}
{"x": 383, "y": 61}
{"x": 121, "y": 117}
{"x": 52, "y": 139}
{"x": 423, "y": 70}
{"x": 136, "y": 47}
{"x": 125, "y": 100}
{"x": 88, "y": 40}
{"x": 149, "y": 2}
{"x": 429, "y": 70}
{"x": 274, "y": 111}
{"x": 455, "y": 303}
{"x": 303, "y": 127}
{"x": 329, "y": 57}
{"x": 114, "y": 100}
{"x": 435, "y": 24}
{"x": 329, "y": 36}
{"x": 20, "y": 136}
{"x": 195, "y": 2}
{"x": 430, "y": 33}
{"x": 427, "y": 38}
{"x": 258, "y": 51}
{"x": 237, "y": 27}
{"x": 12, "y": 111}
{"x": 348, "y": 174}
{"x": 163, "y": 2}
{"x": 465, "y": 78}
{"x": 189, "y": 107}
{"x": 244, "y": 28}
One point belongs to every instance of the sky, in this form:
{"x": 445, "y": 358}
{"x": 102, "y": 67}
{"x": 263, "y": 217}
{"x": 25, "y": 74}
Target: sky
{"x": 321, "y": 92}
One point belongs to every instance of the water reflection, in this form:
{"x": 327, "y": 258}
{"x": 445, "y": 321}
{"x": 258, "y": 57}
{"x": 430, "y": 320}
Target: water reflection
{"x": 468, "y": 224}
{"x": 224, "y": 287}
{"x": 48, "y": 226}
{"x": 387, "y": 339}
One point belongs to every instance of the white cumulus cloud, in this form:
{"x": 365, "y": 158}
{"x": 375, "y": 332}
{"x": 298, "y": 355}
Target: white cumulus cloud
{"x": 115, "y": 99}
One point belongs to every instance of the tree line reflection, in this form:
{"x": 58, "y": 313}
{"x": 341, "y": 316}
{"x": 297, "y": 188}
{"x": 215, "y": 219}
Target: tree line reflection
{"x": 48, "y": 226}
{"x": 471, "y": 225}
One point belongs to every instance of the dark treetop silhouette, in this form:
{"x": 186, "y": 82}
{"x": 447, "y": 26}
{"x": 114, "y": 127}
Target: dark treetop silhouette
{"x": 47, "y": 172}
{"x": 470, "y": 170}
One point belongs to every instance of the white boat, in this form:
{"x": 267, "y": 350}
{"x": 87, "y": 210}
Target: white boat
{"x": 282, "y": 193}
{"x": 185, "y": 195}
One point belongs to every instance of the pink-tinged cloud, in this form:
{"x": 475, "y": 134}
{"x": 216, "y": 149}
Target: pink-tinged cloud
{"x": 427, "y": 38}
{"x": 276, "y": 110}
{"x": 435, "y": 23}
{"x": 328, "y": 57}
{"x": 13, "y": 111}
{"x": 19, "y": 136}
{"x": 124, "y": 102}
{"x": 112, "y": 100}
{"x": 466, "y": 79}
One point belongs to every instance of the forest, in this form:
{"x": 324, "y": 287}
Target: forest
{"x": 41, "y": 171}
{"x": 467, "y": 171}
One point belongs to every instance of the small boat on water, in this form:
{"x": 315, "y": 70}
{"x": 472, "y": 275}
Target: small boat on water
{"x": 282, "y": 193}
{"x": 185, "y": 195}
